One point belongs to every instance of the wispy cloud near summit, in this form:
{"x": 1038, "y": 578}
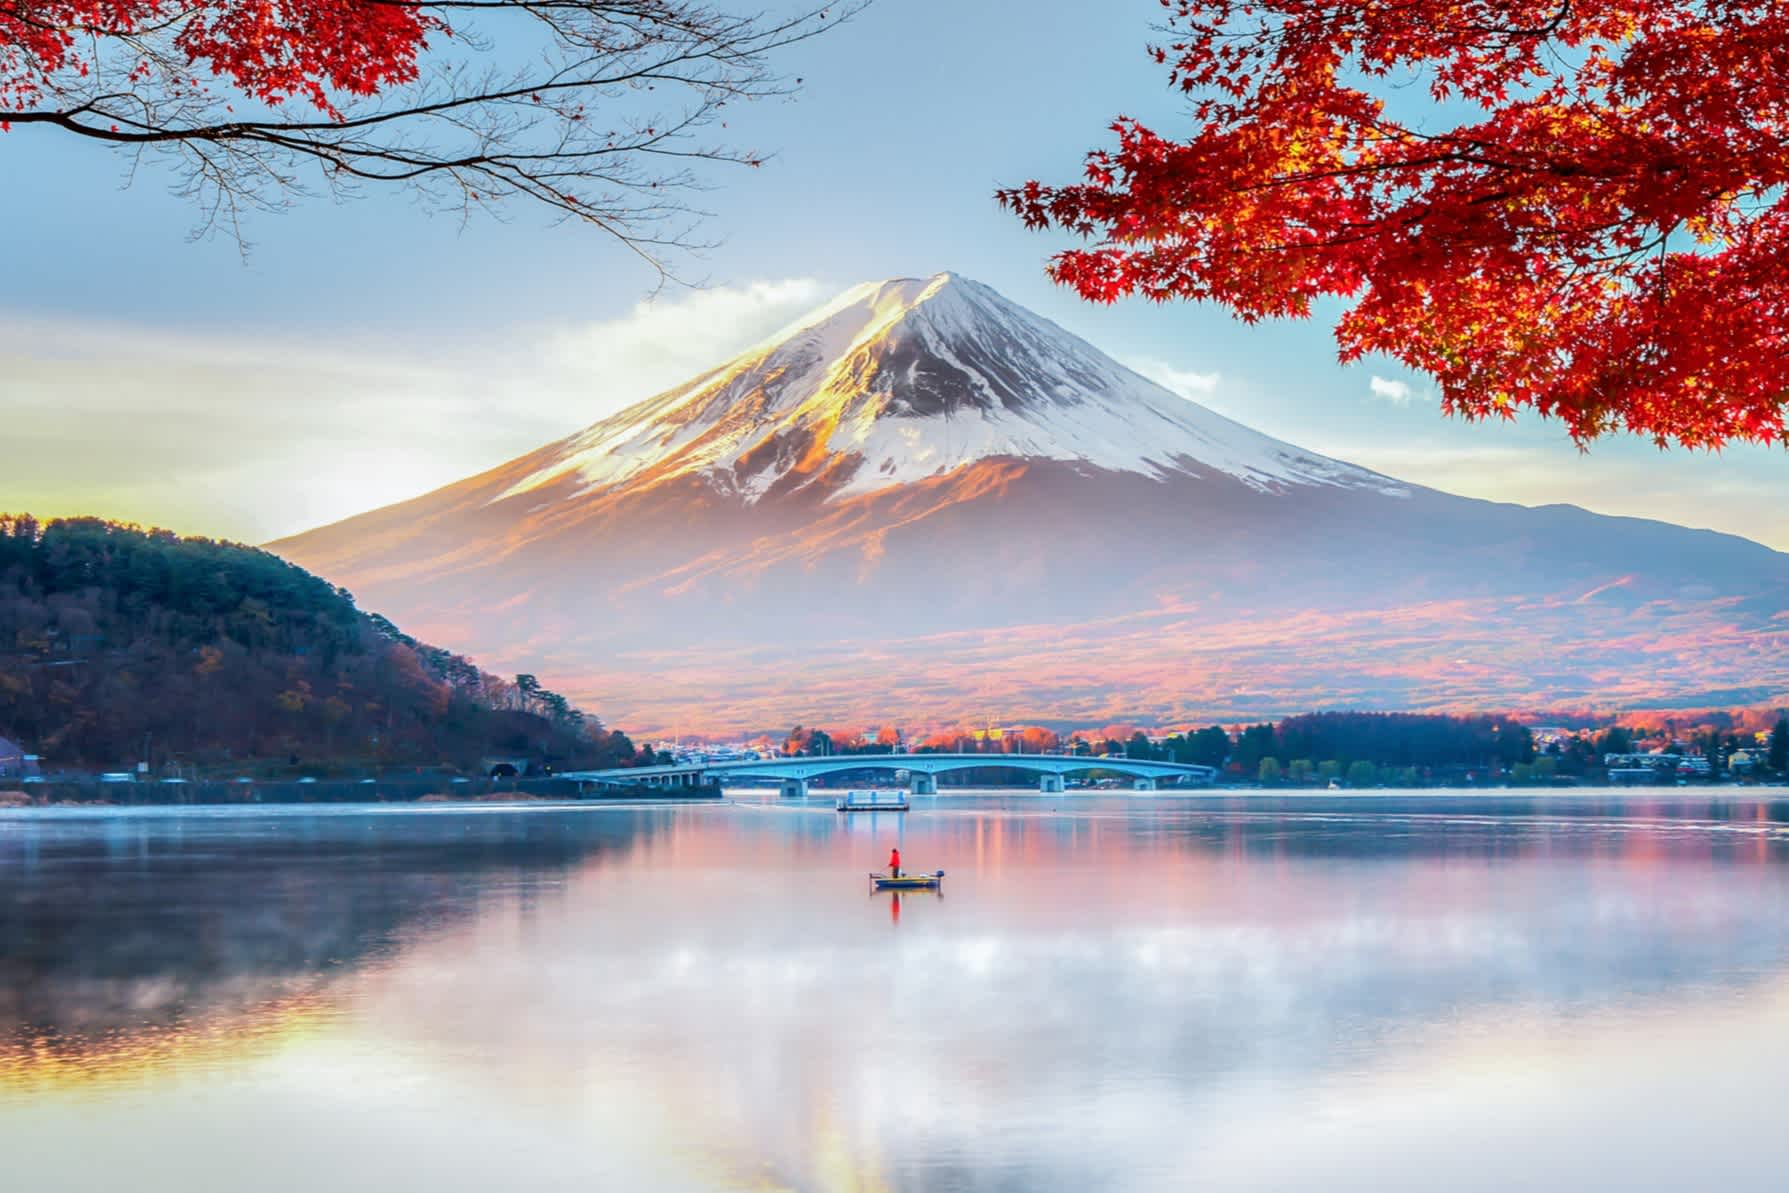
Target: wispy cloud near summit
{"x": 1398, "y": 393}
{"x": 1188, "y": 384}
{"x": 667, "y": 340}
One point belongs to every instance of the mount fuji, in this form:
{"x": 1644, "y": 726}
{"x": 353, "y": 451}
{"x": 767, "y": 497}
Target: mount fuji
{"x": 922, "y": 503}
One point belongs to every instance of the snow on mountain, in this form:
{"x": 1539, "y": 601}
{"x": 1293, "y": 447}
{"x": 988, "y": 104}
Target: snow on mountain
{"x": 896, "y": 381}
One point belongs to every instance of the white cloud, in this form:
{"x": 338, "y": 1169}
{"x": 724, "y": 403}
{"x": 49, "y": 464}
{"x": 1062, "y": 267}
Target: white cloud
{"x": 1189, "y": 385}
{"x": 1398, "y": 393}
{"x": 666, "y": 341}
{"x": 254, "y": 437}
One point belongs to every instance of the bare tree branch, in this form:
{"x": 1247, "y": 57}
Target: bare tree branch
{"x": 602, "y": 111}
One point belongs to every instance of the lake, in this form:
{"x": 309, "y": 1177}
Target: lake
{"x": 1386, "y": 991}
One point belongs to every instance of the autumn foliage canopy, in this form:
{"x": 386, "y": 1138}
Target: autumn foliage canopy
{"x": 1573, "y": 208}
{"x": 272, "y": 51}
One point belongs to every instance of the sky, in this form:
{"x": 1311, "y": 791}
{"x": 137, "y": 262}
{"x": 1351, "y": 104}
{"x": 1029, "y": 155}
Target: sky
{"x": 359, "y": 353}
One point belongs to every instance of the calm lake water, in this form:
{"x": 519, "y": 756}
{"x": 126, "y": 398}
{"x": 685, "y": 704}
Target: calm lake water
{"x": 1381, "y": 992}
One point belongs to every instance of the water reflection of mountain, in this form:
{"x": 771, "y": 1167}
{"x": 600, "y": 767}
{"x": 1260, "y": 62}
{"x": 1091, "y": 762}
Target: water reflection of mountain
{"x": 1128, "y": 967}
{"x": 131, "y": 922}
{"x": 1219, "y": 930}
{"x": 707, "y": 998}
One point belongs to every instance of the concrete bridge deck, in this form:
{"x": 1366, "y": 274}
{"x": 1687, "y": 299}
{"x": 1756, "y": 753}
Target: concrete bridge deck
{"x": 794, "y": 774}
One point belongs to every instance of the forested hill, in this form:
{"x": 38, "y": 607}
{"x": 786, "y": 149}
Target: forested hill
{"x": 220, "y": 656}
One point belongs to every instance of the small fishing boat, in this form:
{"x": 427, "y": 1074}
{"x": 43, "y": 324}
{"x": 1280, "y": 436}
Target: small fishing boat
{"x": 908, "y": 882}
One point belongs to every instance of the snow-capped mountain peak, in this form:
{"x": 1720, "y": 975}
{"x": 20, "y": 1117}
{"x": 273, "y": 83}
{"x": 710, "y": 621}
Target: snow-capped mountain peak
{"x": 921, "y": 503}
{"x": 898, "y": 381}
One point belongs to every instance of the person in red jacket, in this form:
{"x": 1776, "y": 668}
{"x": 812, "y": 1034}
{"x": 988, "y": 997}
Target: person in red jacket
{"x": 894, "y": 862}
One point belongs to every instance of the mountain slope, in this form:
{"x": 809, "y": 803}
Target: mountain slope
{"x": 890, "y": 505}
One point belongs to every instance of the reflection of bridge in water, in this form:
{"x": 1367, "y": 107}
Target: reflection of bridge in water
{"x": 794, "y": 774}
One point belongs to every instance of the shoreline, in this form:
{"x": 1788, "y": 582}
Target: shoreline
{"x": 768, "y": 797}
{"x": 240, "y": 794}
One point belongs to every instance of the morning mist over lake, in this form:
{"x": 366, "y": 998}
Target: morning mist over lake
{"x": 893, "y": 596}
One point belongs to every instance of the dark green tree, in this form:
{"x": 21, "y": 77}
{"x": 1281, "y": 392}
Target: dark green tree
{"x": 1615, "y": 740}
{"x": 1776, "y": 753}
{"x": 1209, "y": 747}
{"x": 1255, "y": 743}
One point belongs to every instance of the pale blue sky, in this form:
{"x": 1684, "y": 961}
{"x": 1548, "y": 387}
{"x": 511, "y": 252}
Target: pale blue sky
{"x": 364, "y": 351}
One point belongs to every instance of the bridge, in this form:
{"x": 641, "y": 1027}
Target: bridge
{"x": 794, "y": 774}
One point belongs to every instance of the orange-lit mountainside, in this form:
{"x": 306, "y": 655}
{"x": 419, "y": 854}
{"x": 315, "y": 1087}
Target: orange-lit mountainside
{"x": 923, "y": 503}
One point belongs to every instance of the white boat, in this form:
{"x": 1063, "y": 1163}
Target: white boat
{"x": 872, "y": 801}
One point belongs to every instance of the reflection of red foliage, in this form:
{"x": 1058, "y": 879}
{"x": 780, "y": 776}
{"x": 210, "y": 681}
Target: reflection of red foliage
{"x": 1025, "y": 739}
{"x": 1601, "y": 240}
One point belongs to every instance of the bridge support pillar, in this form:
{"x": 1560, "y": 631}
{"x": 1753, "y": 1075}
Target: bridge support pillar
{"x": 795, "y": 788}
{"x": 1050, "y": 784}
{"x": 1143, "y": 785}
{"x": 922, "y": 784}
